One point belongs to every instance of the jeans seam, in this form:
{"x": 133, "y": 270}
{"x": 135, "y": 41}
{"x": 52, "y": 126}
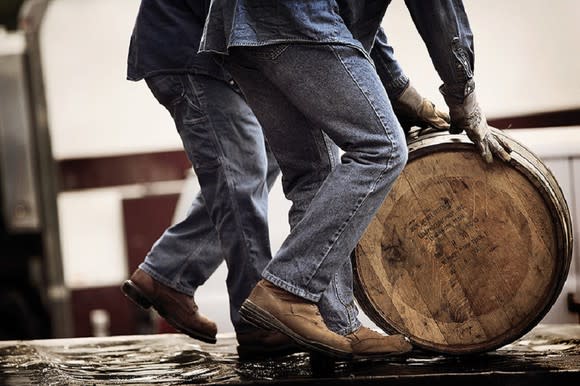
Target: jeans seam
{"x": 339, "y": 298}
{"x": 190, "y": 89}
{"x": 361, "y": 200}
{"x": 185, "y": 266}
{"x": 377, "y": 116}
{"x": 175, "y": 284}
{"x": 180, "y": 275}
{"x": 231, "y": 187}
{"x": 329, "y": 151}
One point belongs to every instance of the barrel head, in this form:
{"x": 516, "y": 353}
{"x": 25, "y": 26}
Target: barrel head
{"x": 464, "y": 256}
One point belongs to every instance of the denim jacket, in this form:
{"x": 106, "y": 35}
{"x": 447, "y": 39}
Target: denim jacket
{"x": 166, "y": 39}
{"x": 233, "y": 23}
{"x": 392, "y": 76}
{"x": 444, "y": 27}
{"x": 442, "y": 24}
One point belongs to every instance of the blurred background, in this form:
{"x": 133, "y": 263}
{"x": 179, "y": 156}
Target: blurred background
{"x": 92, "y": 172}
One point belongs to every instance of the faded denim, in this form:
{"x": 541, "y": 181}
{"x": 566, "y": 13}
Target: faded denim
{"x": 228, "y": 220}
{"x": 446, "y": 18}
{"x": 388, "y": 68}
{"x": 443, "y": 25}
{"x": 301, "y": 94}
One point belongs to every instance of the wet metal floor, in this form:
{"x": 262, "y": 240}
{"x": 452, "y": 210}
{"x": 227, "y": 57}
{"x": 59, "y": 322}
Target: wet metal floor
{"x": 549, "y": 355}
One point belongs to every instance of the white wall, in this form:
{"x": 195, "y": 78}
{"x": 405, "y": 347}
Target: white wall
{"x": 527, "y": 60}
{"x": 93, "y": 110}
{"x": 526, "y": 54}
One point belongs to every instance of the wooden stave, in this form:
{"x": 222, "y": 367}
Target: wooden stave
{"x": 542, "y": 178}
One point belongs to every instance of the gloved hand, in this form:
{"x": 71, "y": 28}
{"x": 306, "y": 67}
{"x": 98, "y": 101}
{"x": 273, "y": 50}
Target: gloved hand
{"x": 468, "y": 116}
{"x": 413, "y": 110}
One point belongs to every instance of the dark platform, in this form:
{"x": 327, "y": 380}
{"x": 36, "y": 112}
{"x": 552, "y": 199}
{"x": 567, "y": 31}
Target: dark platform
{"x": 549, "y": 355}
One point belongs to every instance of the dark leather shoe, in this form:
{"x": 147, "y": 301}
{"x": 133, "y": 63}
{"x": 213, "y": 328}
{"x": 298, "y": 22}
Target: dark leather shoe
{"x": 262, "y": 344}
{"x": 273, "y": 308}
{"x": 177, "y": 308}
{"x": 368, "y": 343}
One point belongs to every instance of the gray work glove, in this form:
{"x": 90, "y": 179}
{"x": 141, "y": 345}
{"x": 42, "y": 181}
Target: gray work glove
{"x": 413, "y": 110}
{"x": 469, "y": 117}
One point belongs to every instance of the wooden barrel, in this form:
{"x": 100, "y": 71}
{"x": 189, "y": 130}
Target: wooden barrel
{"x": 464, "y": 256}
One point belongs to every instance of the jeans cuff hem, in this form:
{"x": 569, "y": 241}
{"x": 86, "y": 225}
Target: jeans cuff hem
{"x": 347, "y": 330}
{"x": 291, "y": 287}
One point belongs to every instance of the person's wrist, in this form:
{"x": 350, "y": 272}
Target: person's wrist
{"x": 410, "y": 97}
{"x": 466, "y": 115}
{"x": 395, "y": 87}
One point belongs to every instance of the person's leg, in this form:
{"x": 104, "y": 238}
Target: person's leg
{"x": 313, "y": 164}
{"x": 336, "y": 305}
{"x": 226, "y": 147}
{"x": 189, "y": 252}
{"x": 228, "y": 220}
{"x": 291, "y": 98}
{"x": 337, "y": 90}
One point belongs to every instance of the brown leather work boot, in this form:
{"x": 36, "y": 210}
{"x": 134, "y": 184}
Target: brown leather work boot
{"x": 273, "y": 308}
{"x": 368, "y": 343}
{"x": 177, "y": 308}
{"x": 262, "y": 344}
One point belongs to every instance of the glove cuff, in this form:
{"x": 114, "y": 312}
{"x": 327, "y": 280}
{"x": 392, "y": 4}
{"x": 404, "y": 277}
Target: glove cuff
{"x": 465, "y": 115}
{"x": 409, "y": 97}
{"x": 459, "y": 111}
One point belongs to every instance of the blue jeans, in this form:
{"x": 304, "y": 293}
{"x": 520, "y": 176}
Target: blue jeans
{"x": 301, "y": 94}
{"x": 228, "y": 219}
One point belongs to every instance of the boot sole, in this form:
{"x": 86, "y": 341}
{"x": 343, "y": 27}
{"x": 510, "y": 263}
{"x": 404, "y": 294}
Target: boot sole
{"x": 133, "y": 293}
{"x": 379, "y": 356}
{"x": 262, "y": 318}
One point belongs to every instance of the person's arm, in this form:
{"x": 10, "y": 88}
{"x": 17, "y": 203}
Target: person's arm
{"x": 410, "y": 107}
{"x": 444, "y": 27}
